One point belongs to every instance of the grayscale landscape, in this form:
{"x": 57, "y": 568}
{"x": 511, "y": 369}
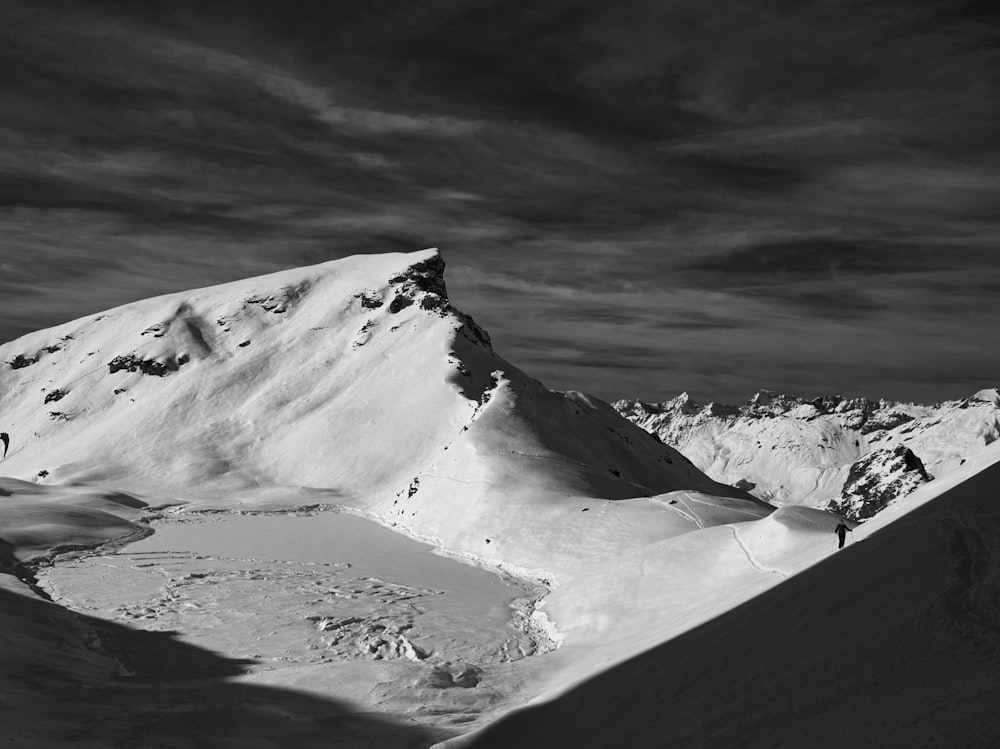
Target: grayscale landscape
{"x": 489, "y": 374}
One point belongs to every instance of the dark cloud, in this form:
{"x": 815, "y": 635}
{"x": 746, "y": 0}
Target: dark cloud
{"x": 702, "y": 190}
{"x": 808, "y": 258}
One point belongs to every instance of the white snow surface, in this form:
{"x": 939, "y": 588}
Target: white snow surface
{"x": 890, "y": 642}
{"x": 356, "y": 383}
{"x": 355, "y": 380}
{"x": 800, "y": 452}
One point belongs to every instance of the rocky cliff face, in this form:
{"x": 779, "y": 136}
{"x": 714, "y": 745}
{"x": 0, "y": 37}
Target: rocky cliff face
{"x": 791, "y": 450}
{"x": 877, "y": 479}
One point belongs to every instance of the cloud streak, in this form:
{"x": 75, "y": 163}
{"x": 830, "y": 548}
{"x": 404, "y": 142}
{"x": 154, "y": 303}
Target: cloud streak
{"x": 718, "y": 197}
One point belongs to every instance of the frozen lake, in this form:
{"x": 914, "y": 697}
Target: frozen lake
{"x": 370, "y": 549}
{"x": 325, "y": 602}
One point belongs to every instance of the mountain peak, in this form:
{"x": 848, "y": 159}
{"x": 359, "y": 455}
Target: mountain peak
{"x": 989, "y": 395}
{"x": 356, "y": 378}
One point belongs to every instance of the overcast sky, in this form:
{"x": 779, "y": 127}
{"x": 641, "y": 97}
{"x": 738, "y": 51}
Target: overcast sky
{"x": 636, "y": 198}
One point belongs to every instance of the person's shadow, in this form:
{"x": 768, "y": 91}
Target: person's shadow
{"x": 73, "y": 680}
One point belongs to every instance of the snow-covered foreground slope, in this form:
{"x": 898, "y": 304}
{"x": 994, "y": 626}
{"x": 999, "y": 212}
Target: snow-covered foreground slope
{"x": 891, "y": 642}
{"x": 355, "y": 379}
{"x": 789, "y": 450}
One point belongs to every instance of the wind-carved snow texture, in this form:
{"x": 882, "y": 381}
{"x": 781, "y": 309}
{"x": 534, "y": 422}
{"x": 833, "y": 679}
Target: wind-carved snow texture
{"x": 791, "y": 450}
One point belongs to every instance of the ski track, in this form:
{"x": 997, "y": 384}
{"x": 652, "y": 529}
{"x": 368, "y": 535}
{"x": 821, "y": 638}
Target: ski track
{"x": 751, "y": 558}
{"x": 754, "y": 515}
{"x": 689, "y": 515}
{"x": 693, "y": 515}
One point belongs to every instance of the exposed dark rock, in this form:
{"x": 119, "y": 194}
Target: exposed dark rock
{"x": 471, "y": 330}
{"x": 721, "y": 409}
{"x": 488, "y": 392}
{"x": 133, "y": 363}
{"x": 280, "y": 301}
{"x": 425, "y": 276}
{"x": 885, "y": 420}
{"x": 877, "y": 479}
{"x": 433, "y": 302}
{"x": 400, "y": 302}
{"x": 55, "y": 395}
{"x": 424, "y": 283}
{"x": 369, "y": 299}
{"x": 20, "y": 361}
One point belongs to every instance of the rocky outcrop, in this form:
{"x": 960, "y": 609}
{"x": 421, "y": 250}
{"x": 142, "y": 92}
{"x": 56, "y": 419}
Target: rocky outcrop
{"x": 20, "y": 361}
{"x": 135, "y": 363}
{"x": 280, "y": 301}
{"x": 877, "y": 479}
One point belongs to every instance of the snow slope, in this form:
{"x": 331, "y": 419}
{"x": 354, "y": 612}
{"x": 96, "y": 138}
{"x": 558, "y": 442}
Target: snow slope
{"x": 356, "y": 380}
{"x": 789, "y": 450}
{"x": 890, "y": 642}
{"x": 35, "y": 520}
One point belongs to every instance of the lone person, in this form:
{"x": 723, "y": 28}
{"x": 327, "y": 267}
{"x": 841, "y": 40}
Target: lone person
{"x": 5, "y": 438}
{"x": 841, "y": 531}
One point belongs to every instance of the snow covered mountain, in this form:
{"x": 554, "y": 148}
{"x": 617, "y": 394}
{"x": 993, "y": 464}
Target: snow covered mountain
{"x": 356, "y": 380}
{"x": 847, "y": 452}
{"x": 877, "y": 479}
{"x": 357, "y": 383}
{"x": 891, "y": 642}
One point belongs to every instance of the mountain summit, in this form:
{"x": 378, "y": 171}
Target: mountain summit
{"x": 356, "y": 379}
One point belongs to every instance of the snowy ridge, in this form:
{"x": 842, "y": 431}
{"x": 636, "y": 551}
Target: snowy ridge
{"x": 356, "y": 380}
{"x": 790, "y": 450}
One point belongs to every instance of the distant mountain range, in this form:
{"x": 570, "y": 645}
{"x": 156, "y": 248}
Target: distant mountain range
{"x": 850, "y": 455}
